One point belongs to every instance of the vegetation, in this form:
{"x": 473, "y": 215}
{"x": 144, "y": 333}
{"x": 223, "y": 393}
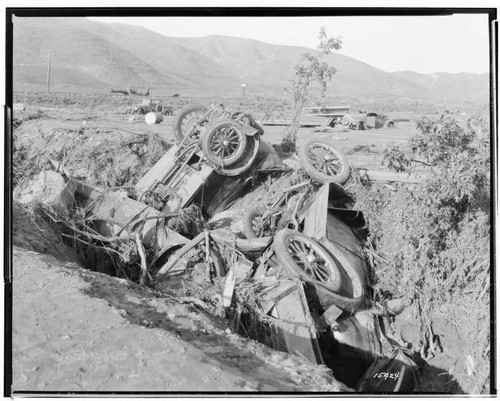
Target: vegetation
{"x": 432, "y": 242}
{"x": 309, "y": 70}
{"x": 116, "y": 161}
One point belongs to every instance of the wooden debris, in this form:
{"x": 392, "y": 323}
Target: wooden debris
{"x": 296, "y": 324}
{"x": 227, "y": 295}
{"x": 142, "y": 253}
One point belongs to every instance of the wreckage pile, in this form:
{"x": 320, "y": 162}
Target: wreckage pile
{"x": 289, "y": 271}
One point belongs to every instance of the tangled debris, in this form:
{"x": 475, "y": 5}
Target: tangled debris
{"x": 292, "y": 276}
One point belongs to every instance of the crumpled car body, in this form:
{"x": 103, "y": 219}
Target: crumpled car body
{"x": 180, "y": 181}
{"x": 350, "y": 344}
{"x": 175, "y": 182}
{"x": 347, "y": 342}
{"x": 323, "y": 224}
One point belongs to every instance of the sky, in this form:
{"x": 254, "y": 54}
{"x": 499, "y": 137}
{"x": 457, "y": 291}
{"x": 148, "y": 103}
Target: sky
{"x": 424, "y": 44}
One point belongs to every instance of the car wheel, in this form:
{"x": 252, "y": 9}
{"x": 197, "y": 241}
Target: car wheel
{"x": 195, "y": 250}
{"x": 254, "y": 226}
{"x": 302, "y": 256}
{"x": 140, "y": 111}
{"x": 190, "y": 120}
{"x": 390, "y": 124}
{"x": 224, "y": 143}
{"x": 347, "y": 120}
{"x": 159, "y": 108}
{"x": 323, "y": 162}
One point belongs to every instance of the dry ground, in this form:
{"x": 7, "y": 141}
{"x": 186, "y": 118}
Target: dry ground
{"x": 77, "y": 330}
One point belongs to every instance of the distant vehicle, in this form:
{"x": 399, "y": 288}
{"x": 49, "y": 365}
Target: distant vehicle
{"x": 365, "y": 120}
{"x": 148, "y": 106}
{"x": 335, "y": 114}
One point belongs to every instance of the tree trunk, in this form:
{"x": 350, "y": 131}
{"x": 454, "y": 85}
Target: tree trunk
{"x": 290, "y": 138}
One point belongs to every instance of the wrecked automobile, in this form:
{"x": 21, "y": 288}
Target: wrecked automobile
{"x": 298, "y": 280}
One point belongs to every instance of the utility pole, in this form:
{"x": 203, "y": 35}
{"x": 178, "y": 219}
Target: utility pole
{"x": 48, "y": 73}
{"x": 244, "y": 78}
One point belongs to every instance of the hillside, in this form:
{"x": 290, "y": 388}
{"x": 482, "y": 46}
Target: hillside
{"x": 103, "y": 56}
{"x": 465, "y": 85}
{"x": 271, "y": 66}
{"x": 93, "y": 51}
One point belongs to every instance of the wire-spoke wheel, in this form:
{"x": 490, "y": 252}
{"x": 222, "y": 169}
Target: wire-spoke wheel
{"x": 256, "y": 225}
{"x": 303, "y": 256}
{"x": 323, "y": 162}
{"x": 191, "y": 121}
{"x": 224, "y": 143}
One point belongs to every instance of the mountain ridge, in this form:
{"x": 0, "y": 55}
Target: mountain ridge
{"x": 120, "y": 54}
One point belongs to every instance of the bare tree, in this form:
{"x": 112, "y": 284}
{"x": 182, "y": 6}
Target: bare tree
{"x": 310, "y": 69}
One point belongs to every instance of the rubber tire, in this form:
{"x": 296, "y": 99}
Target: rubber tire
{"x": 339, "y": 178}
{"x": 167, "y": 113}
{"x": 249, "y": 215}
{"x": 207, "y": 138}
{"x": 283, "y": 255}
{"x": 181, "y": 115}
{"x": 390, "y": 125}
{"x": 159, "y": 108}
{"x": 140, "y": 111}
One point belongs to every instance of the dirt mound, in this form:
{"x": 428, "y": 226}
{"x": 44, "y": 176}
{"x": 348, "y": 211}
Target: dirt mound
{"x": 104, "y": 334}
{"x": 32, "y": 231}
{"x": 106, "y": 157}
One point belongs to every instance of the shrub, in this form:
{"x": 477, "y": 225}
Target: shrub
{"x": 434, "y": 240}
